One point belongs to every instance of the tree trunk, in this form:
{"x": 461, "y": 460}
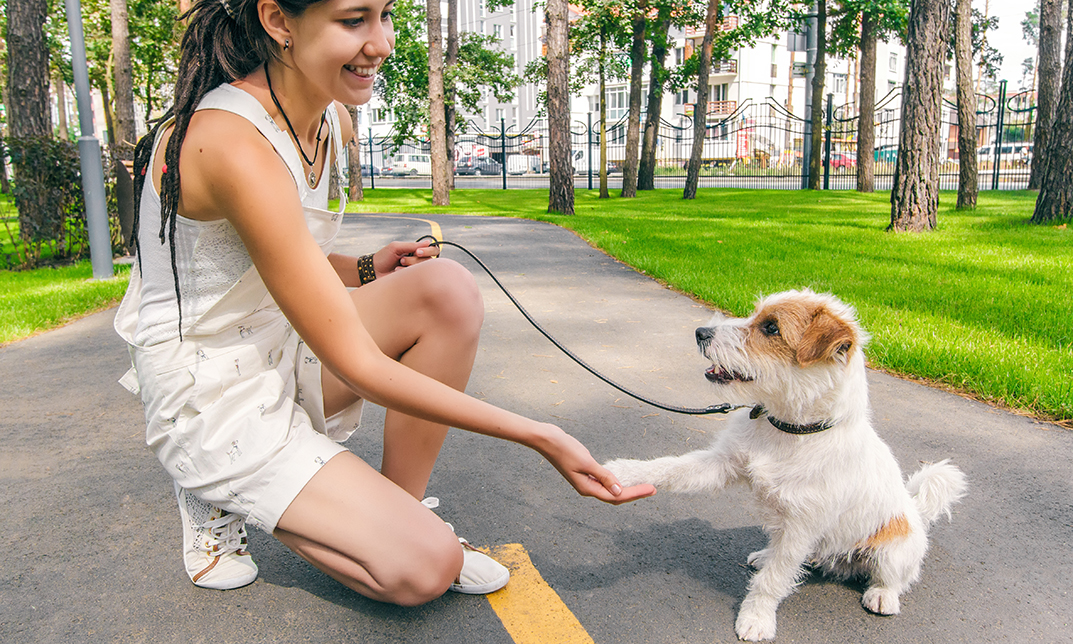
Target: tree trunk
{"x": 915, "y": 197}
{"x": 1055, "y": 201}
{"x": 61, "y": 109}
{"x": 866, "y": 116}
{"x": 27, "y": 99}
{"x": 967, "y": 170}
{"x": 646, "y": 170}
{"x": 355, "y": 191}
{"x": 449, "y": 89}
{"x": 125, "y": 135}
{"x": 109, "y": 122}
{"x": 561, "y": 194}
{"x": 815, "y": 160}
{"x": 700, "y": 108}
{"x": 1050, "y": 68}
{"x": 441, "y": 190}
{"x": 633, "y": 129}
{"x": 605, "y": 192}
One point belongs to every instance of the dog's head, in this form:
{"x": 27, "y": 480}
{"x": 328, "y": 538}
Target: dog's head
{"x": 795, "y": 350}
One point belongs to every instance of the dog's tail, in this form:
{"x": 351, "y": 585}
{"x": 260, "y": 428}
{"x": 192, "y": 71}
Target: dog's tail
{"x": 936, "y": 487}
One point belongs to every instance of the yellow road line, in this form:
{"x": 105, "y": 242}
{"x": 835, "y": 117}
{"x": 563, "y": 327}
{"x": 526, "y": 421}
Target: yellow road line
{"x": 530, "y": 610}
{"x": 436, "y": 232}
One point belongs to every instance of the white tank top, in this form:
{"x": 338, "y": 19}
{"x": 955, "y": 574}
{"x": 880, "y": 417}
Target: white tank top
{"x": 209, "y": 255}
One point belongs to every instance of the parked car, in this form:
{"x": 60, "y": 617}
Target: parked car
{"x": 886, "y": 153}
{"x": 843, "y": 161}
{"x": 365, "y": 171}
{"x": 478, "y": 166}
{"x": 1011, "y": 154}
{"x": 410, "y": 164}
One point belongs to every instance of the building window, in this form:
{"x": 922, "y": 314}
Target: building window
{"x": 679, "y": 55}
{"x": 499, "y": 115}
{"x": 840, "y": 83}
{"x": 893, "y": 61}
{"x": 497, "y": 31}
{"x": 719, "y": 92}
{"x": 617, "y": 103}
{"x": 383, "y": 115}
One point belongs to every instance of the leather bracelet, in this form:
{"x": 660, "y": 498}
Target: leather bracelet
{"x": 366, "y": 271}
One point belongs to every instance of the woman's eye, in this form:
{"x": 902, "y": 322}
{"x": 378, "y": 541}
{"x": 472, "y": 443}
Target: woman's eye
{"x": 353, "y": 22}
{"x": 389, "y": 15}
{"x": 771, "y": 327}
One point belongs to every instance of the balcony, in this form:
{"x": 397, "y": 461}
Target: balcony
{"x": 724, "y": 67}
{"x": 722, "y": 107}
{"x": 729, "y": 22}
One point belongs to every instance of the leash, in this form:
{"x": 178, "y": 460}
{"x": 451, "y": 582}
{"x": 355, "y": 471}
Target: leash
{"x": 721, "y": 408}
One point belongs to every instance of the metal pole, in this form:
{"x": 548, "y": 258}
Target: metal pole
{"x": 503, "y": 148}
{"x": 589, "y": 151}
{"x": 999, "y": 126}
{"x": 372, "y": 167}
{"x": 89, "y": 152}
{"x": 810, "y": 66}
{"x": 827, "y": 146}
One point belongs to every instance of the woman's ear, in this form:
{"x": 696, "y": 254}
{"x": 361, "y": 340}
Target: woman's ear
{"x": 274, "y": 21}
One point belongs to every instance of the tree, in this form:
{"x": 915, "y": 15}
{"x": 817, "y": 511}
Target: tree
{"x": 646, "y": 168}
{"x": 1055, "y": 201}
{"x": 700, "y": 108}
{"x": 449, "y": 112}
{"x": 819, "y": 73}
{"x": 1049, "y": 68}
{"x": 154, "y": 51}
{"x": 915, "y": 196}
{"x": 866, "y": 129}
{"x": 441, "y": 190}
{"x": 561, "y": 193}
{"x": 638, "y": 24}
{"x": 355, "y": 191}
{"x": 125, "y": 135}
{"x": 967, "y": 186}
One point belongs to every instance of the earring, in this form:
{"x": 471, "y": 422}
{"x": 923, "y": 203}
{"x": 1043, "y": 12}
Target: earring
{"x": 286, "y": 45}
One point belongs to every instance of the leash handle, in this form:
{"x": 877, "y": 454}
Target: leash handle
{"x": 721, "y": 408}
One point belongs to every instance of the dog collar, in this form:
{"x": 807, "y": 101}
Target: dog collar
{"x": 790, "y": 428}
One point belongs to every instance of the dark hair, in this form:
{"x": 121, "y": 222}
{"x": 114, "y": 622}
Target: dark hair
{"x": 224, "y": 41}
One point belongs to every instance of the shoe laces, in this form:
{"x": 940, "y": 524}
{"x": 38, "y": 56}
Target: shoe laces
{"x": 223, "y": 534}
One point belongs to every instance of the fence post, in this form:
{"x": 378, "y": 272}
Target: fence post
{"x": 589, "y": 149}
{"x": 999, "y": 126}
{"x": 827, "y": 145}
{"x": 503, "y": 147}
{"x": 372, "y": 168}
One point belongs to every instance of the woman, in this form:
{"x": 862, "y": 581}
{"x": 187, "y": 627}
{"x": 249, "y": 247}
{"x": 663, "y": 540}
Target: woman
{"x": 249, "y": 351}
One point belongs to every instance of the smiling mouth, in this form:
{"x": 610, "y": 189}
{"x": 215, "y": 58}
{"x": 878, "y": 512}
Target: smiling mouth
{"x": 721, "y": 375}
{"x": 360, "y": 71}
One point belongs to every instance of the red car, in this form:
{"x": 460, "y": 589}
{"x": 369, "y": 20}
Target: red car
{"x": 843, "y": 160}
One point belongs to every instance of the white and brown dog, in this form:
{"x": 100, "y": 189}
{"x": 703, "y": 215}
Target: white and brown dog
{"x": 831, "y": 490}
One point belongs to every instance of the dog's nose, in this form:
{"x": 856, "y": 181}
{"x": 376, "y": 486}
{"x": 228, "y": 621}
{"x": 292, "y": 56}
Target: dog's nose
{"x": 704, "y": 334}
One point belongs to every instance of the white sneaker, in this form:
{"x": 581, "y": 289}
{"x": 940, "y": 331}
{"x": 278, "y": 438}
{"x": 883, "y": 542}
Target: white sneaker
{"x": 214, "y": 544}
{"x": 480, "y": 573}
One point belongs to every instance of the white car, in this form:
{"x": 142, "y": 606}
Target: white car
{"x": 411, "y": 164}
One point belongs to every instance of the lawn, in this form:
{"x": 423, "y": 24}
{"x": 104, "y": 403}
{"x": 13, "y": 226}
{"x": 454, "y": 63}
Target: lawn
{"x": 980, "y": 305}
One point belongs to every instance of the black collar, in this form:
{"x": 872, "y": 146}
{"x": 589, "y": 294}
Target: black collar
{"x": 790, "y": 428}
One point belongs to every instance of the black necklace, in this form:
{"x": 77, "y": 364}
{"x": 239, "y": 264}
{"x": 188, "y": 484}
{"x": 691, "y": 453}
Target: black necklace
{"x": 312, "y": 174}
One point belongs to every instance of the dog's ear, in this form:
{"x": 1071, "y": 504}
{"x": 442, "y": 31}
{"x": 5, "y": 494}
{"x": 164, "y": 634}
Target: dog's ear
{"x": 827, "y": 337}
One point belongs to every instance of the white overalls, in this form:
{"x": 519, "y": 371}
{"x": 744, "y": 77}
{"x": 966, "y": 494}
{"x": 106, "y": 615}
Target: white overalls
{"x": 234, "y": 411}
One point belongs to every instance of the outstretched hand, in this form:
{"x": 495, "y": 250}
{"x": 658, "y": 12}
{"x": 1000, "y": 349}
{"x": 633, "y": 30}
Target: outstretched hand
{"x": 397, "y": 255}
{"x": 588, "y": 477}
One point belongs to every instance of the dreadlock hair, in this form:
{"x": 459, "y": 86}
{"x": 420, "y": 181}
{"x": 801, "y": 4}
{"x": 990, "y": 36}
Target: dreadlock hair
{"x": 224, "y": 41}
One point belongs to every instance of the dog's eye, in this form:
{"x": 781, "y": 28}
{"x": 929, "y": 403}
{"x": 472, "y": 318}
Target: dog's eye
{"x": 771, "y": 327}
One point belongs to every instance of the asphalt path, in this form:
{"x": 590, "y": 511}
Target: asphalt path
{"x": 91, "y": 533}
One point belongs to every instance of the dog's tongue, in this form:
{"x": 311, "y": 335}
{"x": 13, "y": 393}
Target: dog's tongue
{"x": 719, "y": 374}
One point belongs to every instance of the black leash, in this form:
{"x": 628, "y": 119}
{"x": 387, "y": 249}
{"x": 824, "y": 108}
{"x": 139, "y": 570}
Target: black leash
{"x": 721, "y": 408}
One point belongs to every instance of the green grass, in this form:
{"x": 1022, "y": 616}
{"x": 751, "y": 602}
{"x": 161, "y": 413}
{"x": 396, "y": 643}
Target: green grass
{"x": 982, "y": 304}
{"x": 41, "y": 299}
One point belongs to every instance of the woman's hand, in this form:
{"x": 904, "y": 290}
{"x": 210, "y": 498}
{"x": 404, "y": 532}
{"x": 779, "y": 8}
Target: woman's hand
{"x": 582, "y": 471}
{"x": 397, "y": 255}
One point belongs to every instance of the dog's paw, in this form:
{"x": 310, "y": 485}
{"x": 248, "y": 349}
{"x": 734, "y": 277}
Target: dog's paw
{"x": 755, "y": 625}
{"x": 882, "y": 601}
{"x": 758, "y": 559}
{"x": 628, "y": 471}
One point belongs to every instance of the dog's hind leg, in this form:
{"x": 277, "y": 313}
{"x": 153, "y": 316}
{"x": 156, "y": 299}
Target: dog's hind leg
{"x": 781, "y": 569}
{"x": 894, "y": 567}
{"x": 699, "y": 471}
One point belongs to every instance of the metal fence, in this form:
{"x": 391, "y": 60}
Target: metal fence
{"x": 757, "y": 144}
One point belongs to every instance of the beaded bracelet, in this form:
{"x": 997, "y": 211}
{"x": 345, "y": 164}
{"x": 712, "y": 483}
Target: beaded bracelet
{"x": 366, "y": 271}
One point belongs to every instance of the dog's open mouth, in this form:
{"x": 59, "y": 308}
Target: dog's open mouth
{"x": 721, "y": 375}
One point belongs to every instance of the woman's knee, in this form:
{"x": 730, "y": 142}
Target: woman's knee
{"x": 452, "y": 293}
{"x": 425, "y": 575}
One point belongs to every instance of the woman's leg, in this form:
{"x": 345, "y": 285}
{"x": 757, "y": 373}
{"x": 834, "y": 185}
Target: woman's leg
{"x": 429, "y": 318}
{"x": 368, "y": 530}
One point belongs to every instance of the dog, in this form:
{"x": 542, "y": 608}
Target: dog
{"x": 831, "y": 492}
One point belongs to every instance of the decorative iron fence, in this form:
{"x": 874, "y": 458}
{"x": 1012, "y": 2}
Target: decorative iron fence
{"x": 758, "y": 144}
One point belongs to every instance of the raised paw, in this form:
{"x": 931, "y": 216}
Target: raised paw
{"x": 628, "y": 471}
{"x": 882, "y": 601}
{"x": 754, "y": 625}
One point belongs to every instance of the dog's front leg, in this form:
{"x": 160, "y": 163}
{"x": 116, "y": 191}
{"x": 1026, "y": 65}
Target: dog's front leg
{"x": 700, "y": 471}
{"x": 780, "y": 569}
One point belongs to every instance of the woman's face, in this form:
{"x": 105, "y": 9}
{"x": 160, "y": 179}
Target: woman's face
{"x": 340, "y": 44}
